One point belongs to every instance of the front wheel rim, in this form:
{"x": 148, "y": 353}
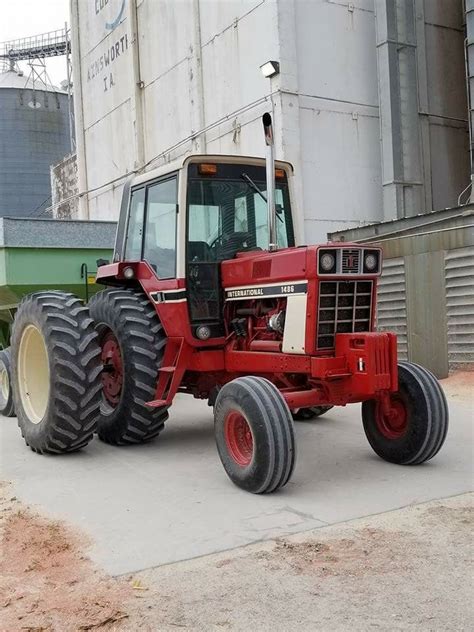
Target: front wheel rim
{"x": 395, "y": 425}
{"x": 238, "y": 438}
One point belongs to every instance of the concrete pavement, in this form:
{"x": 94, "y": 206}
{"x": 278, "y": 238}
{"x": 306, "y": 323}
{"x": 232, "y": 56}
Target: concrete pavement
{"x": 171, "y": 500}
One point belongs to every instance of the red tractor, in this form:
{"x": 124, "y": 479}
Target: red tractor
{"x": 210, "y": 293}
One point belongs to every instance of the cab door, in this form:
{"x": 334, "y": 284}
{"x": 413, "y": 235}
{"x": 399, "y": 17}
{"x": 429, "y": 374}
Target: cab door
{"x": 151, "y": 228}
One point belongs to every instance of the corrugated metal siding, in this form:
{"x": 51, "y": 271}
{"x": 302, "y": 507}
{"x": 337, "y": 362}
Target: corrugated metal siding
{"x": 34, "y": 133}
{"x": 391, "y": 304}
{"x": 459, "y": 271}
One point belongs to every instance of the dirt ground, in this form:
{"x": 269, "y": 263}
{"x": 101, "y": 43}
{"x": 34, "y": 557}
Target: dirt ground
{"x": 407, "y": 569}
{"x": 460, "y": 386}
{"x": 46, "y": 581}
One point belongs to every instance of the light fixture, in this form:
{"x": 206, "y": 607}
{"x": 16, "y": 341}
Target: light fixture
{"x": 370, "y": 261}
{"x": 327, "y": 262}
{"x": 203, "y": 332}
{"x": 270, "y": 69}
{"x": 128, "y": 273}
{"x": 206, "y": 169}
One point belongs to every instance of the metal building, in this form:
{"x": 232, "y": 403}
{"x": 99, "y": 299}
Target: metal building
{"x": 426, "y": 292}
{"x": 369, "y": 104}
{"x": 34, "y": 133}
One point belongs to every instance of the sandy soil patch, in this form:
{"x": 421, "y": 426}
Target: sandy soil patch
{"x": 460, "y": 386}
{"x": 46, "y": 582}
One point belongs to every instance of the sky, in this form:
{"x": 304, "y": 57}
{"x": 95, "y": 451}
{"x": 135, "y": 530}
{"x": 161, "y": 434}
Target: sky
{"x": 22, "y": 18}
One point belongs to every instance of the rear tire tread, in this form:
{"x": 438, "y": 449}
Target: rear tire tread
{"x": 67, "y": 426}
{"x": 133, "y": 319}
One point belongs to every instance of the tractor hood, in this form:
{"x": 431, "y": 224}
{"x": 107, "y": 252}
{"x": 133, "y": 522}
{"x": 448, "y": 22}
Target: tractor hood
{"x": 301, "y": 263}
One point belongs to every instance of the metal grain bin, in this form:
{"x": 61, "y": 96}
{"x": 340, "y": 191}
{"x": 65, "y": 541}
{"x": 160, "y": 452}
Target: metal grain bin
{"x": 34, "y": 133}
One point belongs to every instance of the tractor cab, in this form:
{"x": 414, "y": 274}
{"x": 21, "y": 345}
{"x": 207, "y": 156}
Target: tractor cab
{"x": 183, "y": 220}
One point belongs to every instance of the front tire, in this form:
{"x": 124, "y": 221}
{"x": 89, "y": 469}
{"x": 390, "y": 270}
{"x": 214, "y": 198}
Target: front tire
{"x": 7, "y": 409}
{"x": 254, "y": 434}
{"x": 417, "y": 429}
{"x": 55, "y": 372}
{"x": 132, "y": 341}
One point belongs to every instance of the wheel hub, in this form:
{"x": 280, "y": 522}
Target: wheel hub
{"x": 239, "y": 438}
{"x": 393, "y": 422}
{"x": 112, "y": 372}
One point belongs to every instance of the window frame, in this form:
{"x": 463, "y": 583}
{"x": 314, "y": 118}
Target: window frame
{"x": 251, "y": 208}
{"x": 165, "y": 178}
{"x": 174, "y": 175}
{"x": 129, "y": 216}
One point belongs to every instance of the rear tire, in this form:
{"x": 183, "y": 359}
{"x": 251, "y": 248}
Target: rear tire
{"x": 305, "y": 414}
{"x": 133, "y": 342}
{"x": 55, "y": 372}
{"x": 7, "y": 409}
{"x": 254, "y": 434}
{"x": 418, "y": 430}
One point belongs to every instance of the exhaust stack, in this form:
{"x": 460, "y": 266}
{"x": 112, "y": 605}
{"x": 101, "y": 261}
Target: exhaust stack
{"x": 270, "y": 165}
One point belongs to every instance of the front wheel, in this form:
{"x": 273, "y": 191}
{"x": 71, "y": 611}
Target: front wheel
{"x": 417, "y": 425}
{"x": 254, "y": 434}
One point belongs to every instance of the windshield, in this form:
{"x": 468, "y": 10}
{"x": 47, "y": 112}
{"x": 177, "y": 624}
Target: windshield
{"x": 227, "y": 212}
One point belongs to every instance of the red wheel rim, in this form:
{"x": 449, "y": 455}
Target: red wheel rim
{"x": 112, "y": 373}
{"x": 395, "y": 425}
{"x": 238, "y": 438}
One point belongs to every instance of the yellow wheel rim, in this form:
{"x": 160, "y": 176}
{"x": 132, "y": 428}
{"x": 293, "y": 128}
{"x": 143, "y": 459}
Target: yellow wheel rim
{"x": 4, "y": 383}
{"x": 33, "y": 374}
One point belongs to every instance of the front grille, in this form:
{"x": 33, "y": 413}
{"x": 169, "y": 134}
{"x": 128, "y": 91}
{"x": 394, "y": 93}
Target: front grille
{"x": 344, "y": 307}
{"x": 350, "y": 261}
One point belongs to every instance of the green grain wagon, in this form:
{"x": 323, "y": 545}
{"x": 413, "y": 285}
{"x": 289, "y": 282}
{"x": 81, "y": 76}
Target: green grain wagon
{"x": 45, "y": 254}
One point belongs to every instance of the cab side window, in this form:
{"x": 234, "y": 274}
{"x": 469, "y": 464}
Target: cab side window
{"x": 133, "y": 244}
{"x": 160, "y": 227}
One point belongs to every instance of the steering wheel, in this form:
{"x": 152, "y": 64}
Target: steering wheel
{"x": 230, "y": 241}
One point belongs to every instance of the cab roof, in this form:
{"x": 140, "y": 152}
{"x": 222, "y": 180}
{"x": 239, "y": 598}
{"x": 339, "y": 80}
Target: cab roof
{"x": 181, "y": 163}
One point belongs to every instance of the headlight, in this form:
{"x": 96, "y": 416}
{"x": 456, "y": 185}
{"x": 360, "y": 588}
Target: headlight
{"x": 327, "y": 262}
{"x": 203, "y": 332}
{"x": 371, "y": 262}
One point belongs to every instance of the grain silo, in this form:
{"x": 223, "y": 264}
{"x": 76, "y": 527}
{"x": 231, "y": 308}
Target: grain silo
{"x": 34, "y": 133}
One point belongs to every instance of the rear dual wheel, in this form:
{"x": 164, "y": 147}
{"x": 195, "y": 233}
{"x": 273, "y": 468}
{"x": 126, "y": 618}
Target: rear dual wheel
{"x": 7, "y": 408}
{"x": 132, "y": 343}
{"x": 55, "y": 372}
{"x": 254, "y": 434}
{"x": 417, "y": 425}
